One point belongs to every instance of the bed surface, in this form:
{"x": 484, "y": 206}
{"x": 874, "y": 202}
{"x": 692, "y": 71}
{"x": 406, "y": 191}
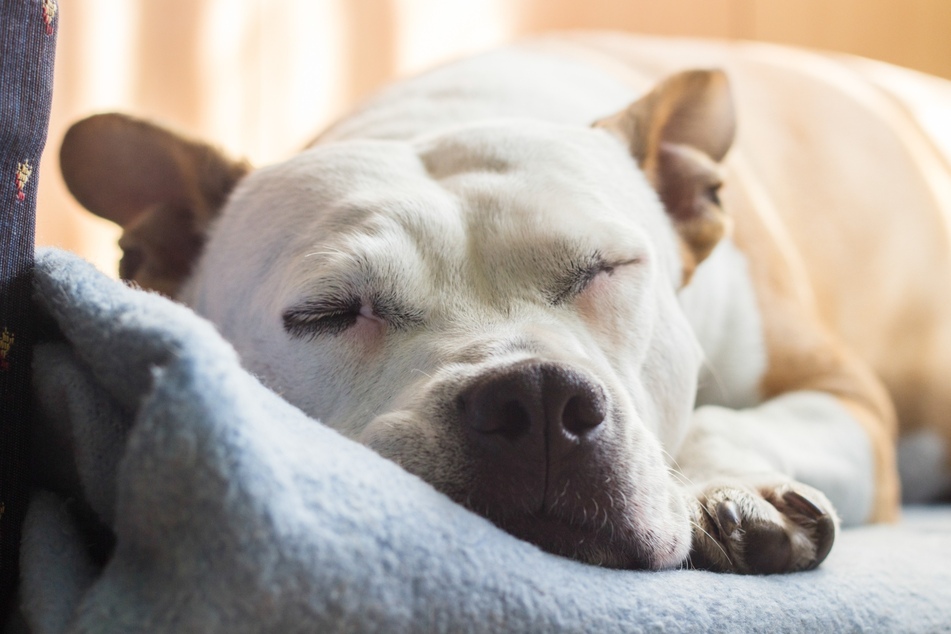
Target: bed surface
{"x": 181, "y": 495}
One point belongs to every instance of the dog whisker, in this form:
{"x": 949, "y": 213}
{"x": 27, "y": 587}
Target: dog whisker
{"x": 681, "y": 478}
{"x": 327, "y": 251}
{"x": 700, "y": 528}
{"x": 316, "y": 253}
{"x": 676, "y": 472}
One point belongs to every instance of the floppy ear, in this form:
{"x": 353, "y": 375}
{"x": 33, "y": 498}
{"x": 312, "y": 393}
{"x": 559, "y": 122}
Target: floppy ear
{"x": 161, "y": 188}
{"x": 678, "y": 133}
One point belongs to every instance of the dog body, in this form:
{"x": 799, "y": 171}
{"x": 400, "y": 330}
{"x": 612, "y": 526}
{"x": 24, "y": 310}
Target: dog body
{"x": 573, "y": 329}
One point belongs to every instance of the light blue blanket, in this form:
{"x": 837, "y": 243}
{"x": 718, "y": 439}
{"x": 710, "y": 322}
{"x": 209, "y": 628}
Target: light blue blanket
{"x": 231, "y": 511}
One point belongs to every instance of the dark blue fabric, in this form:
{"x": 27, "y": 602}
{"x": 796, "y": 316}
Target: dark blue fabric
{"x": 27, "y": 47}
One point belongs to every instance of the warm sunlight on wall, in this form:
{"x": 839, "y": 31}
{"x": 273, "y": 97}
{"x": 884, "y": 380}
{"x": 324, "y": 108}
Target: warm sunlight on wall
{"x": 259, "y": 77}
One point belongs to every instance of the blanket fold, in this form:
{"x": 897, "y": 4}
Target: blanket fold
{"x": 181, "y": 495}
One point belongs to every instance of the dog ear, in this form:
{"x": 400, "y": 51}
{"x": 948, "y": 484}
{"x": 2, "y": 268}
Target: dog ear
{"x": 160, "y": 187}
{"x": 678, "y": 133}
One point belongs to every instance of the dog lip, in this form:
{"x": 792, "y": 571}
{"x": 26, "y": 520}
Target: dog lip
{"x": 610, "y": 544}
{"x": 605, "y": 528}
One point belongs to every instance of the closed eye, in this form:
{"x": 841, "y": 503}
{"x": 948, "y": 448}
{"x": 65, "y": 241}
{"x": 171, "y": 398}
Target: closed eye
{"x": 327, "y": 317}
{"x": 580, "y": 275}
{"x": 315, "y": 317}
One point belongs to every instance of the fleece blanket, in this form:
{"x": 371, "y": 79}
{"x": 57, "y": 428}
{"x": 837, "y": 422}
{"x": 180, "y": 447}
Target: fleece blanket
{"x": 175, "y": 493}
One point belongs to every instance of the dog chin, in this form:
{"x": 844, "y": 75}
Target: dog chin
{"x": 612, "y": 543}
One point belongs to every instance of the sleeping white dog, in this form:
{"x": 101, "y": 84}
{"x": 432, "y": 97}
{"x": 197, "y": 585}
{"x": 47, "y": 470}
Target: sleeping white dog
{"x": 518, "y": 277}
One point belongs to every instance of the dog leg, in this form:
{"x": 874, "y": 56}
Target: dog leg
{"x": 756, "y": 477}
{"x": 764, "y": 484}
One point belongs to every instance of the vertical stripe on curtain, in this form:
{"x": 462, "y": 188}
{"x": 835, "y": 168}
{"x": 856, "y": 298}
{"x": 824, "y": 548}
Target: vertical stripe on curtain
{"x": 27, "y": 47}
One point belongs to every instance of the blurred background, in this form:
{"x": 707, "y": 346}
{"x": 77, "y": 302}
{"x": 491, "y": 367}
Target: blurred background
{"x": 261, "y": 77}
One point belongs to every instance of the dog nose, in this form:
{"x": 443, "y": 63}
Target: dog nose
{"x": 534, "y": 406}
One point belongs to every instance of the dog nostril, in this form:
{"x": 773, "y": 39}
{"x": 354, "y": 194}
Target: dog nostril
{"x": 507, "y": 418}
{"x": 583, "y": 412}
{"x": 533, "y": 401}
{"x": 512, "y": 420}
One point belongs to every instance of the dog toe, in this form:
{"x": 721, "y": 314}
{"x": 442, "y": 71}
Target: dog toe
{"x": 821, "y": 523}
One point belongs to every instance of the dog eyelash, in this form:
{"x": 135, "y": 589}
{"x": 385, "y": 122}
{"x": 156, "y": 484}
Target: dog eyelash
{"x": 581, "y": 274}
{"x": 314, "y": 318}
{"x": 574, "y": 283}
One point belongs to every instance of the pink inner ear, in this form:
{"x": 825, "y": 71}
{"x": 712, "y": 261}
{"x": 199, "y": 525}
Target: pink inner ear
{"x": 685, "y": 175}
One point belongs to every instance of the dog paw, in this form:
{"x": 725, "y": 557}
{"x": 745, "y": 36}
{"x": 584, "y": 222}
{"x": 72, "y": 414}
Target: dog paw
{"x": 762, "y": 530}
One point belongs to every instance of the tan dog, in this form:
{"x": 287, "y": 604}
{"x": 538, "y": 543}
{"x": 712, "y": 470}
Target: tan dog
{"x": 545, "y": 310}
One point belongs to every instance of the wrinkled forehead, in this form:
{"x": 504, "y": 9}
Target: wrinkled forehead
{"x": 480, "y": 192}
{"x": 549, "y": 186}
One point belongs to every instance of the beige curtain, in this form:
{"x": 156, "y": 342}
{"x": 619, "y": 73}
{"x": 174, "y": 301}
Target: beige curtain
{"x": 259, "y": 77}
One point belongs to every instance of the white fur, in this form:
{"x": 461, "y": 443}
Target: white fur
{"x": 721, "y": 305}
{"x": 803, "y": 436}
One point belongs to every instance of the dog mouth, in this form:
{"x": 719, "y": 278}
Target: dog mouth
{"x": 598, "y": 508}
{"x": 603, "y": 526}
{"x": 604, "y": 545}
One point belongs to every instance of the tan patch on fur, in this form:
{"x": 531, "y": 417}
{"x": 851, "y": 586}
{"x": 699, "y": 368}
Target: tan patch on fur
{"x": 802, "y": 353}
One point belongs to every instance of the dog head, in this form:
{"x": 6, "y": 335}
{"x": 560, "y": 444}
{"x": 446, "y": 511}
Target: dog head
{"x": 494, "y": 306}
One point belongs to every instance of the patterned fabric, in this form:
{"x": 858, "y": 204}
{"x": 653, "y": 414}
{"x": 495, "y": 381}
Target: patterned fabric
{"x": 27, "y": 45}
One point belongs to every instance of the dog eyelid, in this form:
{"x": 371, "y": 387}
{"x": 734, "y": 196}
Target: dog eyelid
{"x": 318, "y": 317}
{"x": 314, "y": 318}
{"x": 581, "y": 275}
{"x": 609, "y": 268}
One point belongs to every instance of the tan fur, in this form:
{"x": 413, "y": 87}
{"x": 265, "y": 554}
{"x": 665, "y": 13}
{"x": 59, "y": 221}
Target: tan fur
{"x": 863, "y": 196}
{"x": 803, "y": 353}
